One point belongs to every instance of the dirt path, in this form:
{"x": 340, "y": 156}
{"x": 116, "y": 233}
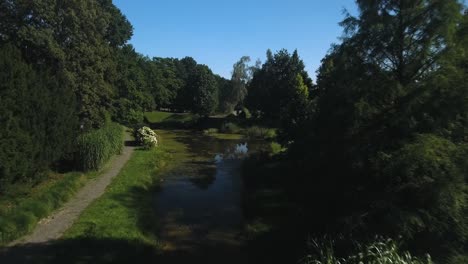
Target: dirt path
{"x": 52, "y": 227}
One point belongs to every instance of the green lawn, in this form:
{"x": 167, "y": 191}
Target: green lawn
{"x": 167, "y": 117}
{"x": 124, "y": 212}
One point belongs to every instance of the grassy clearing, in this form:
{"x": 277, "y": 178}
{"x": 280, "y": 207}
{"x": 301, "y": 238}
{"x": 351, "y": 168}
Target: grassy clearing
{"x": 227, "y": 136}
{"x": 167, "y": 117}
{"x": 21, "y": 209}
{"x": 125, "y": 212}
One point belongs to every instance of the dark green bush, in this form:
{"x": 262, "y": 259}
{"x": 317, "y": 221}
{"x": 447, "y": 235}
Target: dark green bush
{"x": 378, "y": 252}
{"x": 260, "y": 132}
{"x": 230, "y": 128}
{"x": 95, "y": 148}
{"x": 37, "y": 117}
{"x": 127, "y": 113}
{"x": 245, "y": 114}
{"x": 425, "y": 195}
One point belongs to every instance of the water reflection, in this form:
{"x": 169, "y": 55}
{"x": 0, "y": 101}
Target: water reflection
{"x": 199, "y": 204}
{"x": 239, "y": 151}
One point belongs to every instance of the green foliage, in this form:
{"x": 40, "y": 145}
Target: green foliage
{"x": 236, "y": 92}
{"x": 297, "y": 112}
{"x": 38, "y": 119}
{"x": 210, "y": 131}
{"x": 95, "y": 148}
{"x": 132, "y": 82}
{"x": 126, "y": 113}
{"x": 204, "y": 89}
{"x": 272, "y": 87}
{"x": 256, "y": 132}
{"x": 230, "y": 128}
{"x": 378, "y": 252}
{"x": 76, "y": 40}
{"x": 245, "y": 113}
{"x": 135, "y": 182}
{"x": 426, "y": 182}
{"x": 276, "y": 148}
{"x": 382, "y": 134}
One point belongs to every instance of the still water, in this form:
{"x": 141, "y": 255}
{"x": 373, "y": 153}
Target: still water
{"x": 199, "y": 202}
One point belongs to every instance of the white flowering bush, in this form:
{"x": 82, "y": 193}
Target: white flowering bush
{"x": 146, "y": 137}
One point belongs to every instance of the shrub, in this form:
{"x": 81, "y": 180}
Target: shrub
{"x": 378, "y": 252}
{"x": 146, "y": 137}
{"x": 95, "y": 148}
{"x": 426, "y": 182}
{"x": 230, "y": 128}
{"x": 260, "y": 132}
{"x": 127, "y": 113}
{"x": 245, "y": 114}
{"x": 210, "y": 131}
{"x": 276, "y": 148}
{"x": 132, "y": 117}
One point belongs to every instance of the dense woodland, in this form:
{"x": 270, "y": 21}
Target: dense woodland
{"x": 67, "y": 70}
{"x": 377, "y": 146}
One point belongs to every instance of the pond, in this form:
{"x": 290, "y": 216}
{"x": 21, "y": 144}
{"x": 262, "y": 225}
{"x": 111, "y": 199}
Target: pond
{"x": 199, "y": 202}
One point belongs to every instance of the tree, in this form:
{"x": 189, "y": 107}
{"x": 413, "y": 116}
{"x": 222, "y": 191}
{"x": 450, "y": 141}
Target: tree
{"x": 204, "y": 88}
{"x": 38, "y": 118}
{"x": 390, "y": 114}
{"x": 241, "y": 76}
{"x": 132, "y": 94}
{"x": 75, "y": 38}
{"x": 270, "y": 89}
{"x": 185, "y": 70}
{"x": 225, "y": 88}
{"x": 296, "y": 113}
{"x": 165, "y": 83}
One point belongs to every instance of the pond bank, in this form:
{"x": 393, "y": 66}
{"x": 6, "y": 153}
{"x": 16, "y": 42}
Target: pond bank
{"x": 174, "y": 203}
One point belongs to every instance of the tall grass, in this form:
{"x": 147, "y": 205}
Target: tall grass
{"x": 95, "y": 148}
{"x": 378, "y": 252}
{"x": 22, "y": 216}
{"x": 257, "y": 132}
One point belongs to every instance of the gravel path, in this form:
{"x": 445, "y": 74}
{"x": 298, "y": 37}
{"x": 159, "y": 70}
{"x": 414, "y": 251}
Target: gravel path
{"x": 55, "y": 225}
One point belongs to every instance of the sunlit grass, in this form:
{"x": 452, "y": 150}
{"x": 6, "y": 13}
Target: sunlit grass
{"x": 161, "y": 117}
{"x": 125, "y": 211}
{"x": 21, "y": 210}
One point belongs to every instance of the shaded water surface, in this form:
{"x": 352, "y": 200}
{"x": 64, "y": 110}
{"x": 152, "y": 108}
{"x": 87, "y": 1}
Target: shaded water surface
{"x": 199, "y": 203}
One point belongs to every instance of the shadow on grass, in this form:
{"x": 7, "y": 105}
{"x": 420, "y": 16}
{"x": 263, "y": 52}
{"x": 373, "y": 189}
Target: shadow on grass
{"x": 131, "y": 143}
{"x": 85, "y": 250}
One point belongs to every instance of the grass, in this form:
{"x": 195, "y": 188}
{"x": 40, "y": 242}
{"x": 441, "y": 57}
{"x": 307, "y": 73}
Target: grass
{"x": 125, "y": 212}
{"x": 256, "y": 132}
{"x": 227, "y": 136}
{"x": 377, "y": 252}
{"x": 167, "y": 117}
{"x": 95, "y": 148}
{"x": 23, "y": 208}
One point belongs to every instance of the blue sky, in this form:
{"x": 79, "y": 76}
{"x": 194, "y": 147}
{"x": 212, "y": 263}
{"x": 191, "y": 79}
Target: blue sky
{"x": 218, "y": 32}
